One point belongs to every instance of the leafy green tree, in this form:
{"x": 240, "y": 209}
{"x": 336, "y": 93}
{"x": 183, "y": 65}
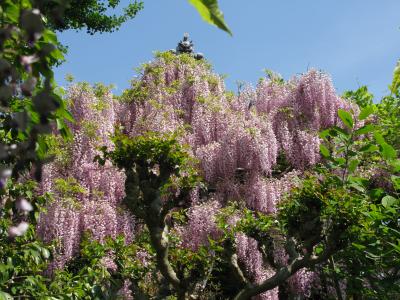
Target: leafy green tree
{"x": 368, "y": 166}
{"x": 93, "y": 15}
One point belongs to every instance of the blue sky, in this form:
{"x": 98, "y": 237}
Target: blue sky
{"x": 356, "y": 41}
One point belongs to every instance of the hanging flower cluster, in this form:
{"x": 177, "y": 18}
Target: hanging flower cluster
{"x": 87, "y": 195}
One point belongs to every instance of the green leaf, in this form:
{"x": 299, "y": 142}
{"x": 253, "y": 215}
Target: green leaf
{"x": 45, "y": 253}
{"x": 388, "y": 201}
{"x": 339, "y": 131}
{"x": 4, "y": 273}
{"x": 5, "y": 296}
{"x": 365, "y": 129}
{"x": 376, "y": 193}
{"x": 324, "y": 134}
{"x": 358, "y": 183}
{"x": 396, "y": 182}
{"x": 358, "y": 246}
{"x": 340, "y": 160}
{"x": 396, "y": 247}
{"x": 209, "y": 11}
{"x": 379, "y": 138}
{"x": 57, "y": 55}
{"x": 12, "y": 13}
{"x": 319, "y": 249}
{"x": 346, "y": 118}
{"x": 324, "y": 151}
{"x": 396, "y": 165}
{"x": 369, "y": 148}
{"x": 353, "y": 165}
{"x": 396, "y": 79}
{"x": 366, "y": 112}
{"x": 49, "y": 37}
{"x": 387, "y": 151}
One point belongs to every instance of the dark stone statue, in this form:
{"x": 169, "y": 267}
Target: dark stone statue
{"x": 186, "y": 46}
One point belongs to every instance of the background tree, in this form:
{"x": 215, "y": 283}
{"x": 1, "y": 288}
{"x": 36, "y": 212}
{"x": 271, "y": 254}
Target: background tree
{"x": 92, "y": 15}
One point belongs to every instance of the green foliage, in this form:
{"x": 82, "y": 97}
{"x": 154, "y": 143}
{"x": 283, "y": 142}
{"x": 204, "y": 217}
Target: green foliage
{"x": 389, "y": 118}
{"x": 184, "y": 58}
{"x": 88, "y": 276}
{"x": 33, "y": 107}
{"x": 274, "y": 77}
{"x": 396, "y": 79}
{"x": 90, "y": 129}
{"x": 156, "y": 154}
{"x": 362, "y": 97}
{"x": 150, "y": 150}
{"x": 320, "y": 208}
{"x": 101, "y": 90}
{"x": 209, "y": 11}
{"x": 68, "y": 188}
{"x": 346, "y": 118}
{"x": 28, "y": 52}
{"x": 93, "y": 15}
{"x": 371, "y": 257}
{"x": 55, "y": 147}
{"x": 23, "y": 258}
{"x": 387, "y": 151}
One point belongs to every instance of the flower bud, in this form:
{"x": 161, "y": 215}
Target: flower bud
{"x": 18, "y": 230}
{"x": 24, "y": 205}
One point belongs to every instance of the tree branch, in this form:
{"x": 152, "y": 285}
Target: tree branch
{"x": 284, "y": 273}
{"x": 238, "y": 271}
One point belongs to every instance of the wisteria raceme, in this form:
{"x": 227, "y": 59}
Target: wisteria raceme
{"x": 298, "y": 110}
{"x": 263, "y": 194}
{"x": 301, "y": 283}
{"x": 237, "y": 140}
{"x": 252, "y": 260}
{"x": 88, "y": 194}
{"x": 201, "y": 225}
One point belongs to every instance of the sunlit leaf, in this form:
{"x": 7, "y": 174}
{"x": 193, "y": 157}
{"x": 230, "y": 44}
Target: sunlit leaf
{"x": 396, "y": 165}
{"x": 369, "y": 148}
{"x": 389, "y": 201}
{"x": 387, "y": 151}
{"x": 324, "y": 134}
{"x": 346, "y": 118}
{"x": 12, "y": 11}
{"x": 365, "y": 129}
{"x": 358, "y": 246}
{"x": 339, "y": 131}
{"x": 340, "y": 160}
{"x": 324, "y": 151}
{"x": 210, "y": 12}
{"x": 366, "y": 112}
{"x": 5, "y": 296}
{"x": 396, "y": 182}
{"x": 353, "y": 165}
{"x": 396, "y": 247}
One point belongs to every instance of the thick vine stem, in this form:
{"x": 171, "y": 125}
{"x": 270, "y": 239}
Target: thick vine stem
{"x": 238, "y": 271}
{"x": 283, "y": 274}
{"x": 145, "y": 193}
{"x": 159, "y": 240}
{"x": 132, "y": 192}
